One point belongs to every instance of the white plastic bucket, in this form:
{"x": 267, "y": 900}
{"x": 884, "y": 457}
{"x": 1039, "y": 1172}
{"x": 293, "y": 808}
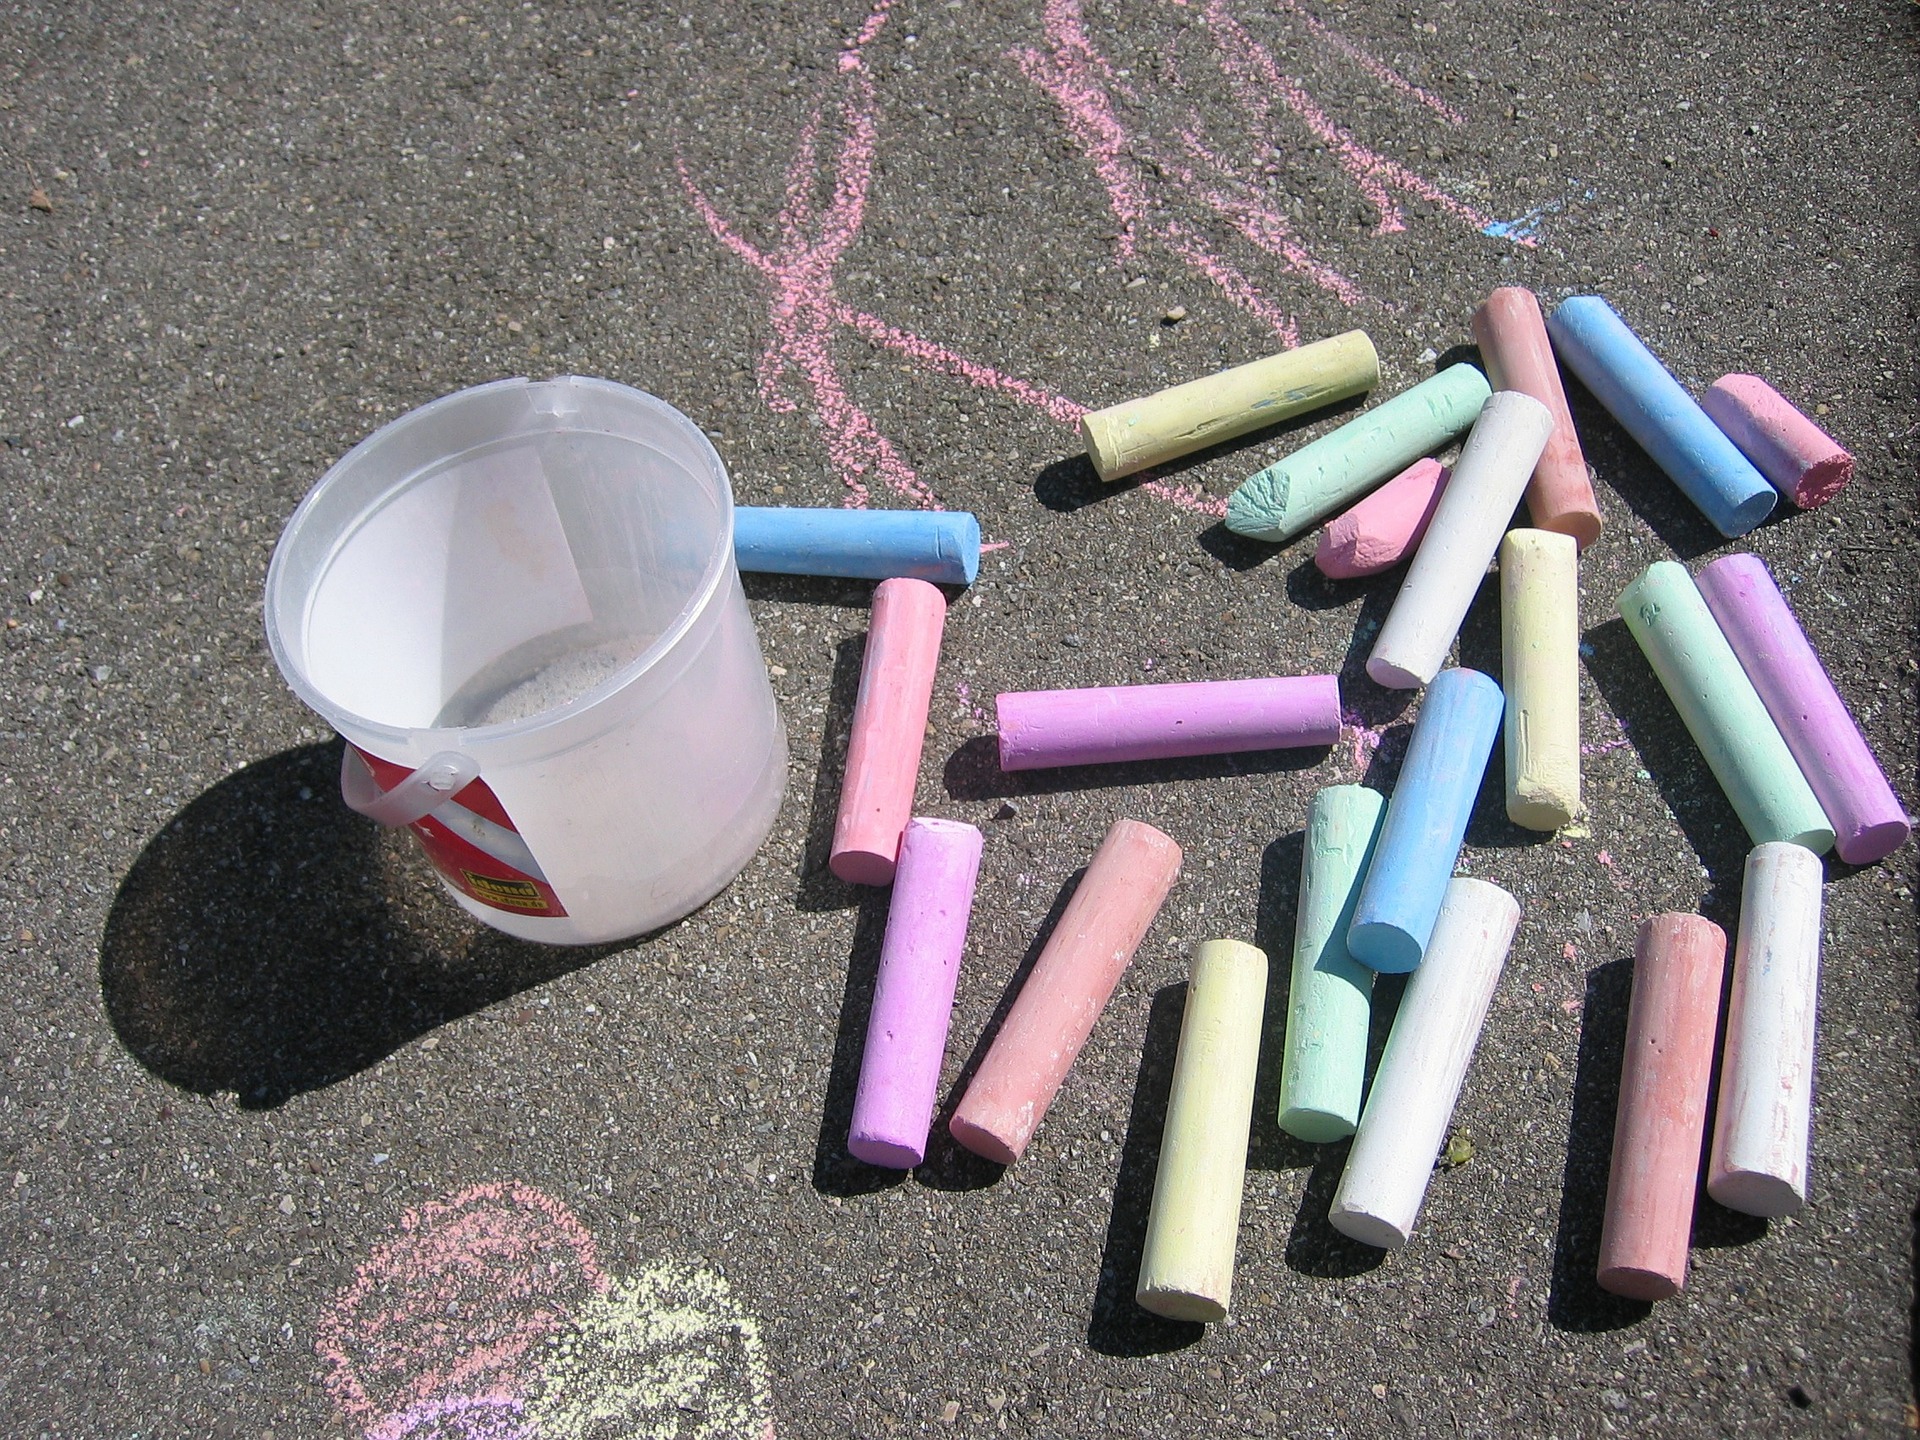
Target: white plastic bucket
{"x": 519, "y": 606}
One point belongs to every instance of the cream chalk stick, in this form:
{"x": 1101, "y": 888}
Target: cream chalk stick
{"x": 1540, "y": 656}
{"x": 1186, "y": 1264}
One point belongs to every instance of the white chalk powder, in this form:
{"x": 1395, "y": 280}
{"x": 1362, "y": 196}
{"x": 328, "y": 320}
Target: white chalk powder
{"x": 554, "y": 685}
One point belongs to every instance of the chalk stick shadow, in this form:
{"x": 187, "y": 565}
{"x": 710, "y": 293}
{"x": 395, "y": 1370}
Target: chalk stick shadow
{"x": 1617, "y": 459}
{"x": 833, "y": 590}
{"x": 1268, "y": 1146}
{"x": 973, "y": 771}
{"x": 1314, "y": 1247}
{"x": 268, "y": 941}
{"x": 835, "y": 1171}
{"x": 1715, "y": 1227}
{"x": 819, "y": 889}
{"x": 1116, "y": 1324}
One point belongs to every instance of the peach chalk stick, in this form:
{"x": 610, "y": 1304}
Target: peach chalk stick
{"x": 889, "y": 728}
{"x": 1540, "y": 653}
{"x": 1758, "y": 1164}
{"x": 1126, "y": 882}
{"x": 1805, "y": 464}
{"x": 1512, "y": 336}
{"x": 1193, "y": 1227}
{"x": 1378, "y": 532}
{"x": 1662, "y": 1117}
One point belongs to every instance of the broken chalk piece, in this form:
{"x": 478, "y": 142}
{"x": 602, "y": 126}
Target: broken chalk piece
{"x": 1805, "y": 464}
{"x": 1123, "y": 439}
{"x": 941, "y": 546}
{"x": 1540, "y": 670}
{"x": 1381, "y": 530}
{"x": 1296, "y": 493}
{"x": 1636, "y": 389}
{"x": 1041, "y": 728}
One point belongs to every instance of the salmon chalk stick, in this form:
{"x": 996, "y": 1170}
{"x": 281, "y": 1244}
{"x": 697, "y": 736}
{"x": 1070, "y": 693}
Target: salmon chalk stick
{"x": 913, "y": 994}
{"x": 889, "y": 728}
{"x": 1805, "y": 464}
{"x": 1040, "y": 728}
{"x": 1512, "y": 337}
{"x": 1105, "y": 921}
{"x": 1540, "y": 665}
{"x": 1319, "y": 479}
{"x": 1758, "y": 1163}
{"x": 1123, "y": 439}
{"x": 1661, "y": 1120}
{"x": 1383, "y": 528}
{"x": 1636, "y": 389}
{"x": 942, "y": 546}
{"x": 1722, "y": 710}
{"x": 1426, "y": 821}
{"x": 1193, "y": 1226}
{"x": 1447, "y": 569}
{"x": 1323, "y": 1066}
{"x": 1423, "y": 1066}
{"x": 1868, "y": 823}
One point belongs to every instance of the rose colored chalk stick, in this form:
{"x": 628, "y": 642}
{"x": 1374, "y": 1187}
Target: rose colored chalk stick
{"x": 913, "y": 994}
{"x": 1868, "y": 823}
{"x": 1662, "y": 1118}
{"x": 889, "y": 728}
{"x": 1039, "y": 728}
{"x": 1377, "y": 533}
{"x": 1512, "y": 336}
{"x": 1103, "y": 924}
{"x": 1805, "y": 464}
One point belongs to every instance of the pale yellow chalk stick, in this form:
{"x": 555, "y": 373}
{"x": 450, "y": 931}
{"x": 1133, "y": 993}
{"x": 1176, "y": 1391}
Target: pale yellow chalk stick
{"x": 1540, "y": 645}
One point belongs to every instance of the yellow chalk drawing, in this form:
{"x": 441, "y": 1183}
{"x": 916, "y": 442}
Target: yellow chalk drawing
{"x": 666, "y": 1354}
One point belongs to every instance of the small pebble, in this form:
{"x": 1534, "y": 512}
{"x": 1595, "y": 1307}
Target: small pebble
{"x": 1176, "y": 314}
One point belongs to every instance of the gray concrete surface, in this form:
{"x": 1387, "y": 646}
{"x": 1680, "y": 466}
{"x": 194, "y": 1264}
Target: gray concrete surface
{"x": 249, "y": 1047}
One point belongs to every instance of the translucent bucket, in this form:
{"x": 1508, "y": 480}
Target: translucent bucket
{"x": 519, "y": 606}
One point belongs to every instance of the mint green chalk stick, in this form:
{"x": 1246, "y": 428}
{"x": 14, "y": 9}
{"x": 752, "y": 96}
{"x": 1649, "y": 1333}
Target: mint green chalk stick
{"x": 1323, "y": 1067}
{"x": 1290, "y": 496}
{"x": 1669, "y": 617}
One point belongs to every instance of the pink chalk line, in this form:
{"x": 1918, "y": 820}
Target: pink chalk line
{"x": 1375, "y": 67}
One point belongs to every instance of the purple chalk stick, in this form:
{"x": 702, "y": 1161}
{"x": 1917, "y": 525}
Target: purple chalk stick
{"x": 1039, "y": 728}
{"x": 1868, "y": 823}
{"x": 913, "y": 996}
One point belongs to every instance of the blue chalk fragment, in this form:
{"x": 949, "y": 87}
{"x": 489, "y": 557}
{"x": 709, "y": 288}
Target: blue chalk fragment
{"x": 942, "y": 546}
{"x": 1426, "y": 821}
{"x": 1595, "y": 343}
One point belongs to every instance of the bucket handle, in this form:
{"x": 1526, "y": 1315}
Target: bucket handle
{"x": 415, "y": 797}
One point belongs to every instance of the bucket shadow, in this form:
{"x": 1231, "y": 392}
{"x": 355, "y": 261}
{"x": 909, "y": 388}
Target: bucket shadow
{"x": 820, "y": 889}
{"x": 973, "y": 772}
{"x": 836, "y": 1172}
{"x": 1118, "y": 1326}
{"x": 268, "y": 941}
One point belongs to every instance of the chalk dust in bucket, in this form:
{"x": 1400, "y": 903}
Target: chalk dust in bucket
{"x": 521, "y": 685}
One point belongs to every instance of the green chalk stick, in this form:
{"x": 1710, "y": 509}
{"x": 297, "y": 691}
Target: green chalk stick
{"x": 1744, "y": 749}
{"x": 1279, "y": 502}
{"x": 1323, "y": 1067}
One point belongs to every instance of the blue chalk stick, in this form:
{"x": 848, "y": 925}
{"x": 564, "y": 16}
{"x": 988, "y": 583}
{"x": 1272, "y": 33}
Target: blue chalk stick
{"x": 942, "y": 546}
{"x": 1595, "y": 343}
{"x": 1426, "y": 821}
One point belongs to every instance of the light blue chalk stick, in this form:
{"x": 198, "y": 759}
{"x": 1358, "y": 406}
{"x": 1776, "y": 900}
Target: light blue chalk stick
{"x": 1426, "y": 820}
{"x": 1595, "y": 343}
{"x": 942, "y": 546}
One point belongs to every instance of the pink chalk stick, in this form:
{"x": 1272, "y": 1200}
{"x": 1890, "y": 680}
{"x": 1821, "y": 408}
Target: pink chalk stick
{"x": 1868, "y": 822}
{"x": 889, "y": 728}
{"x": 1126, "y": 882}
{"x": 1385, "y": 527}
{"x": 1039, "y": 728}
{"x": 913, "y": 994}
{"x": 1805, "y": 464}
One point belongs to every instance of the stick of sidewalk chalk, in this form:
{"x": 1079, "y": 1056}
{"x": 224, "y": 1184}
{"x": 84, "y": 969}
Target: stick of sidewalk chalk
{"x": 1379, "y": 531}
{"x": 1423, "y": 1066}
{"x": 913, "y": 994}
{"x": 1126, "y": 882}
{"x": 1758, "y": 1163}
{"x": 1540, "y": 669}
{"x": 1662, "y": 1116}
{"x": 1040, "y": 728}
{"x": 1297, "y": 493}
{"x": 1722, "y": 711}
{"x": 1323, "y": 1067}
{"x": 1868, "y": 822}
{"x": 1426, "y": 820}
{"x": 942, "y": 546}
{"x": 1805, "y": 464}
{"x": 1193, "y": 1226}
{"x": 1512, "y": 337}
{"x": 889, "y": 728}
{"x": 1624, "y": 376}
{"x": 1452, "y": 561}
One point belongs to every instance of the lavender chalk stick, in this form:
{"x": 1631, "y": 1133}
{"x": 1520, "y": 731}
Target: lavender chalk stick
{"x": 1426, "y": 820}
{"x": 913, "y": 995}
{"x": 941, "y": 546}
{"x": 1806, "y": 464}
{"x": 1039, "y": 728}
{"x": 1868, "y": 823}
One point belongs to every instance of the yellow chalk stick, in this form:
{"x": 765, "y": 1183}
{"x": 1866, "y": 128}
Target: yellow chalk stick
{"x": 1540, "y": 642}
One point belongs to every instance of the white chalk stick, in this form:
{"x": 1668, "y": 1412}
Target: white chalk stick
{"x": 1540, "y": 655}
